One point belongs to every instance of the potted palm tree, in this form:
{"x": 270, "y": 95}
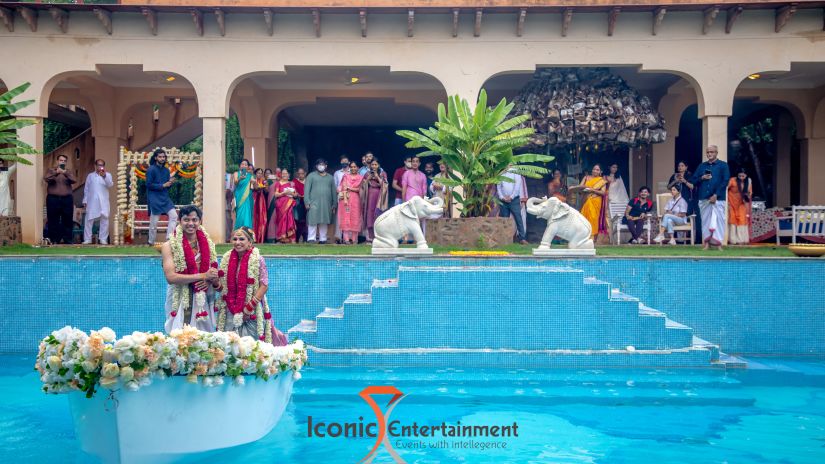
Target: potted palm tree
{"x": 11, "y": 147}
{"x": 478, "y": 147}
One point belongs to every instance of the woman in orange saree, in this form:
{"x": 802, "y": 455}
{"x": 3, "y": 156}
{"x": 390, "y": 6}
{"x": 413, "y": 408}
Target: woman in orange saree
{"x": 740, "y": 193}
{"x": 594, "y": 208}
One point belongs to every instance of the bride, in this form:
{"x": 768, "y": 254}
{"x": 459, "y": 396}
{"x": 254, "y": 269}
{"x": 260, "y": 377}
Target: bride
{"x": 244, "y": 280}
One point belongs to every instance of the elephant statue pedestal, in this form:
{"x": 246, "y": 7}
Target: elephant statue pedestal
{"x": 564, "y": 252}
{"x": 563, "y": 222}
{"x": 402, "y": 221}
{"x": 402, "y": 251}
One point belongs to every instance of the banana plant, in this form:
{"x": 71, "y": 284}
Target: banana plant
{"x": 477, "y": 148}
{"x": 11, "y": 147}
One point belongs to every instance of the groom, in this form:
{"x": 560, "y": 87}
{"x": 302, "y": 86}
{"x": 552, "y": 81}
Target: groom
{"x": 191, "y": 269}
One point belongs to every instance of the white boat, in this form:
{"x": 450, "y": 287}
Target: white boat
{"x": 172, "y": 418}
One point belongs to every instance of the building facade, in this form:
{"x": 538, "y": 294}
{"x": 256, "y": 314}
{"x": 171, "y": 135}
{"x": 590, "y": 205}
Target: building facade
{"x": 145, "y": 70}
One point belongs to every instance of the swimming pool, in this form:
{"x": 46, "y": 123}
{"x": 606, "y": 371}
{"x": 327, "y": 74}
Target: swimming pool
{"x": 774, "y": 411}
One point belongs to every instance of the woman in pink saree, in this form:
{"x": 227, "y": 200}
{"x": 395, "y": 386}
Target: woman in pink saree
{"x": 349, "y": 204}
{"x": 282, "y": 227}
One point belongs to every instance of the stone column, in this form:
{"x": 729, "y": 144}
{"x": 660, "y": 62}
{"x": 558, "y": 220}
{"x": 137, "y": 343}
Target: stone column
{"x": 812, "y": 164}
{"x": 214, "y": 169}
{"x": 31, "y": 191}
{"x": 782, "y": 173}
{"x": 715, "y": 132}
{"x": 265, "y": 155}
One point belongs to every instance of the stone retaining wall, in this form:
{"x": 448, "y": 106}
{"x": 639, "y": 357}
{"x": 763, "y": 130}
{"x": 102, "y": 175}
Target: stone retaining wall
{"x": 483, "y": 232}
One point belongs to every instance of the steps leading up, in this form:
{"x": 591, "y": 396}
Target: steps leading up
{"x": 500, "y": 316}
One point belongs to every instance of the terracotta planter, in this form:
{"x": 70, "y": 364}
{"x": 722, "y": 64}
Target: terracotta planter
{"x": 477, "y": 233}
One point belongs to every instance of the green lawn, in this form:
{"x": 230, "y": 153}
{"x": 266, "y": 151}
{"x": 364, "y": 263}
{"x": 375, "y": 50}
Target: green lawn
{"x": 302, "y": 249}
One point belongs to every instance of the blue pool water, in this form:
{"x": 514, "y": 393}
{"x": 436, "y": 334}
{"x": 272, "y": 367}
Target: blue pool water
{"x": 772, "y": 412}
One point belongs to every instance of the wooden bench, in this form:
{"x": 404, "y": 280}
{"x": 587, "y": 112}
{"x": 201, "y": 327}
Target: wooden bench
{"x": 805, "y": 221}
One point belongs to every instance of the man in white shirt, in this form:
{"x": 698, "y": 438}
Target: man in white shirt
{"x": 675, "y": 215}
{"x": 510, "y": 195}
{"x": 96, "y": 203}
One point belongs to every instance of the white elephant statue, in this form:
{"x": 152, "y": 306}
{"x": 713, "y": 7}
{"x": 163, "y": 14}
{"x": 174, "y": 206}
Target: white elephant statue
{"x": 562, "y": 221}
{"x": 404, "y": 219}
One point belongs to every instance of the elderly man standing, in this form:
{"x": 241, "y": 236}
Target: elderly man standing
{"x": 510, "y": 195}
{"x": 711, "y": 181}
{"x": 96, "y": 203}
{"x": 59, "y": 201}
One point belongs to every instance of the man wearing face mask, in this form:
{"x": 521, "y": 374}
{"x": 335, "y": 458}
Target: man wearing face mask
{"x": 6, "y": 173}
{"x": 59, "y": 202}
{"x": 320, "y": 196}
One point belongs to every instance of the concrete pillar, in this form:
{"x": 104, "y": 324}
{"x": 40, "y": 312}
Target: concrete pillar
{"x": 266, "y": 152}
{"x": 715, "y": 132}
{"x": 664, "y": 161}
{"x": 782, "y": 172}
{"x": 812, "y": 164}
{"x": 31, "y": 191}
{"x": 214, "y": 169}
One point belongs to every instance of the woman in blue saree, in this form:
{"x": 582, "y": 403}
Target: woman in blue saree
{"x": 243, "y": 195}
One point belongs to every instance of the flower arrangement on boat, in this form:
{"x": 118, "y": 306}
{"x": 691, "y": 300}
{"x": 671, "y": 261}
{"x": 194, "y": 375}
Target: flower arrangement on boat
{"x": 70, "y": 360}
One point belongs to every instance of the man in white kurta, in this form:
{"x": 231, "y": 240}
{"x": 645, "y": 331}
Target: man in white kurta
{"x": 96, "y": 202}
{"x": 6, "y": 174}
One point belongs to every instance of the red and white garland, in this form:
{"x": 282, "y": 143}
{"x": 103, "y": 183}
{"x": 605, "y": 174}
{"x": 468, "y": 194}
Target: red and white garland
{"x": 240, "y": 279}
{"x": 184, "y": 258}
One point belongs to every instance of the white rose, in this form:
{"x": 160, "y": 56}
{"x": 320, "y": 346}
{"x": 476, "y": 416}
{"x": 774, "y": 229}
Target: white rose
{"x": 125, "y": 343}
{"x": 127, "y": 357}
{"x": 139, "y": 338}
{"x": 239, "y": 380}
{"x": 296, "y": 375}
{"x": 110, "y": 370}
{"x": 132, "y": 386}
{"x": 208, "y": 381}
{"x": 218, "y": 380}
{"x": 107, "y": 334}
{"x": 127, "y": 374}
{"x": 108, "y": 382}
{"x": 89, "y": 366}
{"x": 54, "y": 362}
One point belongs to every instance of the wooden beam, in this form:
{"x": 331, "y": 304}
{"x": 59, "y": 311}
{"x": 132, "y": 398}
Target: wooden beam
{"x": 455, "y": 22}
{"x": 611, "y": 20}
{"x": 783, "y": 15}
{"x": 30, "y": 16}
{"x": 362, "y": 17}
{"x": 658, "y": 16}
{"x": 61, "y": 17}
{"x": 269, "y": 19}
{"x": 566, "y": 18}
{"x": 316, "y": 21}
{"x": 8, "y": 18}
{"x": 710, "y": 15}
{"x": 733, "y": 15}
{"x": 105, "y": 17}
{"x": 477, "y": 26}
{"x": 410, "y": 22}
{"x": 522, "y": 16}
{"x": 221, "y": 17}
{"x": 151, "y": 19}
{"x": 197, "y": 18}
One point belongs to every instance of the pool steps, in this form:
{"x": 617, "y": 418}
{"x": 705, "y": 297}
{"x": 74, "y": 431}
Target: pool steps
{"x": 496, "y": 316}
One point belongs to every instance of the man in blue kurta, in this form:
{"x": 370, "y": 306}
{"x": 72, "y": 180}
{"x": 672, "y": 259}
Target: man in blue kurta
{"x": 711, "y": 179}
{"x": 158, "y": 181}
